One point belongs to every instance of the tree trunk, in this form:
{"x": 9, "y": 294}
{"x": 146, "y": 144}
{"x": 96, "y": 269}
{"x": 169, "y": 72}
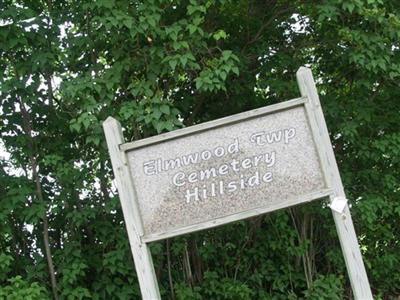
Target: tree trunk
{"x": 35, "y": 176}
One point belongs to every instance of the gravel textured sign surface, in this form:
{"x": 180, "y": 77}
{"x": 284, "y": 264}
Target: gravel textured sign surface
{"x": 259, "y": 162}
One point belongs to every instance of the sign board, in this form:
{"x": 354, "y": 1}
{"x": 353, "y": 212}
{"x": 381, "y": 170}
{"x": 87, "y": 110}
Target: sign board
{"x": 227, "y": 170}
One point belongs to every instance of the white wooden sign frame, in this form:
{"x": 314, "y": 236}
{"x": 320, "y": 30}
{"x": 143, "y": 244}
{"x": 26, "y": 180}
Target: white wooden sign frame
{"x": 340, "y": 210}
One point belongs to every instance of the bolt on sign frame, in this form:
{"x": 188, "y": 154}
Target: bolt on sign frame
{"x": 227, "y": 170}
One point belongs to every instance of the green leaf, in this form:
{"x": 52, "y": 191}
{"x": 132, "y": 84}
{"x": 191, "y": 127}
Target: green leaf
{"x": 157, "y": 113}
{"x": 169, "y": 125}
{"x": 220, "y": 34}
{"x": 159, "y": 126}
{"x": 223, "y": 75}
{"x": 191, "y": 9}
{"x": 128, "y": 23}
{"x": 235, "y": 70}
{"x": 199, "y": 83}
{"x": 183, "y": 60}
{"x": 172, "y": 64}
{"x": 192, "y": 28}
{"x": 151, "y": 21}
{"x": 165, "y": 109}
{"x": 226, "y": 54}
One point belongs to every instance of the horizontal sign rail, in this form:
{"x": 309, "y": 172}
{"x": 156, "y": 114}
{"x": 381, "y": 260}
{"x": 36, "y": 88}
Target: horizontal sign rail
{"x": 213, "y": 124}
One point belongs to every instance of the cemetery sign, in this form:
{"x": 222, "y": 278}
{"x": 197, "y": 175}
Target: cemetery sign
{"x": 225, "y": 170}
{"x": 230, "y": 169}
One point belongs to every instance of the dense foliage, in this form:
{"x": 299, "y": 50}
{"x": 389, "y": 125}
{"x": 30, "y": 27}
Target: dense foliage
{"x": 158, "y": 65}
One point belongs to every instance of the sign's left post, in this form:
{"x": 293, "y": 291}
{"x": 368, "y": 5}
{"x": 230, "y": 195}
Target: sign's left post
{"x": 140, "y": 250}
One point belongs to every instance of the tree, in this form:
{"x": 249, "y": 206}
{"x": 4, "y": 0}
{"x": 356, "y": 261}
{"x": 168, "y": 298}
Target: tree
{"x": 161, "y": 65}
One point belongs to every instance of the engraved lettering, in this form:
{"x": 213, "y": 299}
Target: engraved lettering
{"x": 178, "y": 179}
{"x": 246, "y": 163}
{"x": 267, "y": 177}
{"x": 234, "y": 165}
{"x": 149, "y": 168}
{"x": 223, "y": 169}
{"x": 194, "y": 194}
{"x": 219, "y": 151}
{"x": 270, "y": 159}
{"x": 232, "y": 186}
{"x": 254, "y": 180}
{"x": 234, "y": 147}
{"x": 206, "y": 155}
{"x": 192, "y": 177}
{"x": 262, "y": 138}
{"x": 190, "y": 159}
{"x": 172, "y": 164}
{"x": 289, "y": 134}
{"x": 257, "y": 138}
{"x": 274, "y": 137}
{"x": 207, "y": 174}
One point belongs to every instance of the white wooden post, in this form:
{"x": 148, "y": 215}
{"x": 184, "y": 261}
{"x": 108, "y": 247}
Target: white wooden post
{"x": 140, "y": 251}
{"x": 344, "y": 224}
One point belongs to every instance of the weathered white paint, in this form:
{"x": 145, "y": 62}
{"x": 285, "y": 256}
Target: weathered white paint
{"x": 140, "y": 251}
{"x": 344, "y": 224}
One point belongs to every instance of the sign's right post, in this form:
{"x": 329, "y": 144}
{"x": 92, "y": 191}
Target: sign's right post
{"x": 344, "y": 224}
